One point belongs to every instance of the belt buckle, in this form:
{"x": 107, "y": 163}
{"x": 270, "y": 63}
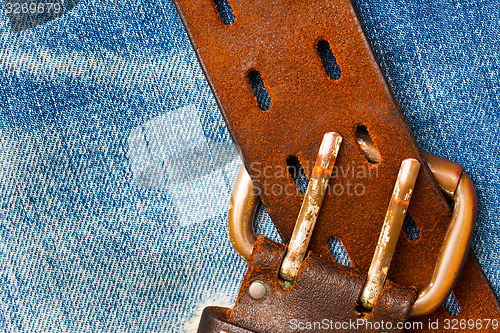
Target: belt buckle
{"x": 455, "y": 184}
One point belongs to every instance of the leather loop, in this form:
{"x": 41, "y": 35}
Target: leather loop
{"x": 324, "y": 294}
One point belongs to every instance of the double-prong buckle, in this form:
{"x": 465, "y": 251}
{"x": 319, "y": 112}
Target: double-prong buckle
{"x": 454, "y": 183}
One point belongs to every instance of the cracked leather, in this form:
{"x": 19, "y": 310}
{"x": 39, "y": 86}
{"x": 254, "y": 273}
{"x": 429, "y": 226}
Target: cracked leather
{"x": 279, "y": 39}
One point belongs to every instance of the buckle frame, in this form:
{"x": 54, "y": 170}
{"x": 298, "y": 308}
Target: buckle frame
{"x": 454, "y": 183}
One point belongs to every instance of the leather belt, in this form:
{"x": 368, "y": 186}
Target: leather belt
{"x": 266, "y": 69}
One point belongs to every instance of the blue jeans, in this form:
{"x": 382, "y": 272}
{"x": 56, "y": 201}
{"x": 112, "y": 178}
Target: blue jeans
{"x": 116, "y": 167}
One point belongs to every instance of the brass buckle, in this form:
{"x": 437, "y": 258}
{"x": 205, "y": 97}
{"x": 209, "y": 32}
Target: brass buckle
{"x": 454, "y": 183}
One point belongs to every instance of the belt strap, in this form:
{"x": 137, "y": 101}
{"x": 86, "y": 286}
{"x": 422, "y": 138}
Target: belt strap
{"x": 278, "y": 100}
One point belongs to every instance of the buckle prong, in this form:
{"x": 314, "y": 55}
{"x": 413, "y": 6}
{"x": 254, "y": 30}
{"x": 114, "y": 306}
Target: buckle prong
{"x": 311, "y": 205}
{"x": 388, "y": 239}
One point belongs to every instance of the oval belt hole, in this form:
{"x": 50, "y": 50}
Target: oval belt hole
{"x": 410, "y": 228}
{"x": 298, "y": 174}
{"x": 369, "y": 148}
{"x": 259, "y": 90}
{"x": 225, "y": 11}
{"x": 338, "y": 251}
{"x": 451, "y": 305}
{"x": 329, "y": 61}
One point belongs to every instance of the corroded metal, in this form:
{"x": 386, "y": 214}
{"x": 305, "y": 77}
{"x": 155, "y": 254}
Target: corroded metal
{"x": 454, "y": 249}
{"x": 311, "y": 205}
{"x": 388, "y": 239}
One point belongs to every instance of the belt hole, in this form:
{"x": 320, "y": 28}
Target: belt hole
{"x": 298, "y": 174}
{"x": 259, "y": 90}
{"x": 410, "y": 228}
{"x": 329, "y": 61}
{"x": 225, "y": 11}
{"x": 451, "y": 305}
{"x": 338, "y": 251}
{"x": 369, "y": 148}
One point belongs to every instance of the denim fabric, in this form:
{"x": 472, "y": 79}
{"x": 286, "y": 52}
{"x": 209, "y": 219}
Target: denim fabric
{"x": 116, "y": 166}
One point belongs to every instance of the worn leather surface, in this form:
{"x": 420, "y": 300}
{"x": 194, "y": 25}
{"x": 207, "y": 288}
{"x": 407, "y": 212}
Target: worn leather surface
{"x": 278, "y": 38}
{"x": 323, "y": 292}
{"x": 214, "y": 320}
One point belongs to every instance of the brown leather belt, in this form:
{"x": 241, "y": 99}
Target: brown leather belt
{"x": 276, "y": 43}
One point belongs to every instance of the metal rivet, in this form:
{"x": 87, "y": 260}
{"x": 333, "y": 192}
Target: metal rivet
{"x": 257, "y": 290}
